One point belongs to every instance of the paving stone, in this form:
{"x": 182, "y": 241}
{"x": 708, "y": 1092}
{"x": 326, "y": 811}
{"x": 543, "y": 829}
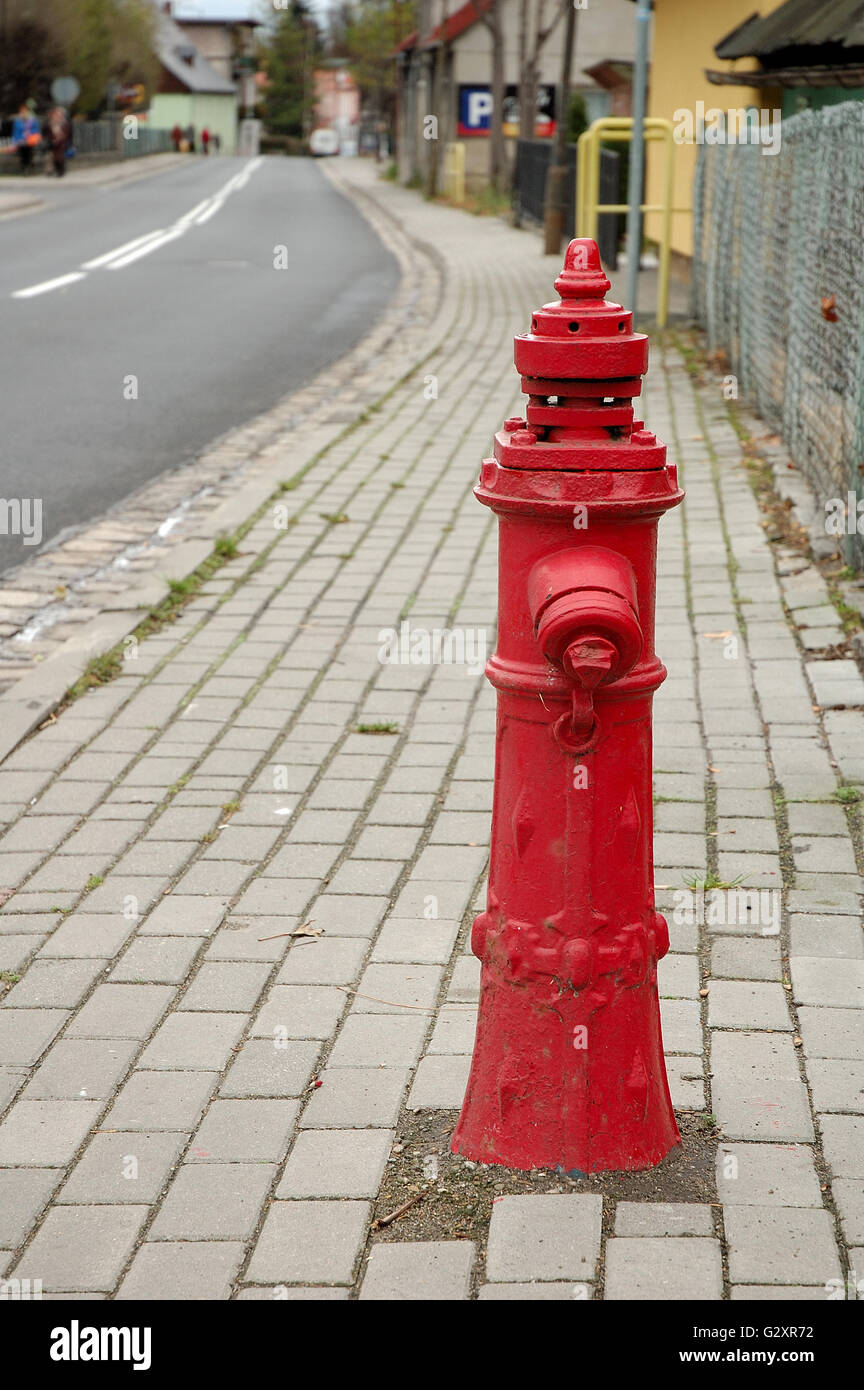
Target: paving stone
{"x": 26, "y": 1033}
{"x": 843, "y": 1144}
{"x": 539, "y": 1293}
{"x": 202, "y": 1270}
{"x": 663, "y": 1219}
{"x": 121, "y": 1011}
{"x": 401, "y": 941}
{"x": 836, "y": 1085}
{"x": 748, "y": 1004}
{"x": 23, "y": 1194}
{"x": 244, "y": 1131}
{"x": 544, "y": 1237}
{"x": 682, "y": 1026}
{"x": 82, "y": 1248}
{"x": 88, "y": 935}
{"x": 300, "y": 1011}
{"x": 825, "y": 936}
{"x": 686, "y": 1082}
{"x": 423, "y": 1270}
{"x": 832, "y": 1033}
{"x": 465, "y": 981}
{"x": 342, "y": 915}
{"x": 125, "y": 1167}
{"x": 670, "y": 1269}
{"x": 833, "y": 983}
{"x": 780, "y": 1245}
{"x": 213, "y": 1201}
{"x": 757, "y": 1088}
{"x": 310, "y": 1243}
{"x": 188, "y": 915}
{"x": 276, "y": 1068}
{"x": 767, "y": 1175}
{"x": 233, "y": 986}
{"x": 186, "y": 1041}
{"x": 76, "y": 1068}
{"x": 365, "y": 1040}
{"x": 162, "y": 1100}
{"x": 54, "y": 984}
{"x": 336, "y": 1163}
{"x": 849, "y": 1197}
{"x": 336, "y": 961}
{"x": 281, "y": 1292}
{"x": 157, "y": 960}
{"x": 397, "y": 988}
{"x": 767, "y": 1293}
{"x": 45, "y": 1133}
{"x": 356, "y": 1098}
{"x": 745, "y": 958}
{"x": 439, "y": 1083}
{"x": 454, "y": 1031}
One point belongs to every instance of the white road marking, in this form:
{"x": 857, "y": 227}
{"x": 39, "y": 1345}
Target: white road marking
{"x": 120, "y": 250}
{"x": 134, "y": 250}
{"x": 153, "y": 245}
{"x": 47, "y": 285}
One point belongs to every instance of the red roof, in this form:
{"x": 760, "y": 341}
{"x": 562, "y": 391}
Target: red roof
{"x": 454, "y": 25}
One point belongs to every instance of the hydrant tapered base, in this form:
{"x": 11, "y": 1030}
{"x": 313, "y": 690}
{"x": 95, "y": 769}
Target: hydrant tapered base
{"x": 556, "y": 1112}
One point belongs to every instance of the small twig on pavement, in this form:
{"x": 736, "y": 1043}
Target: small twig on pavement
{"x": 392, "y": 1216}
{"x": 298, "y": 931}
{"x": 396, "y": 1004}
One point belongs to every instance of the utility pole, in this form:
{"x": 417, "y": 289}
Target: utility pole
{"x": 637, "y": 156}
{"x": 556, "y": 177}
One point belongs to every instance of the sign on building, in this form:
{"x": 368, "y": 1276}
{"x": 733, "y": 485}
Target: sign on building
{"x": 475, "y": 110}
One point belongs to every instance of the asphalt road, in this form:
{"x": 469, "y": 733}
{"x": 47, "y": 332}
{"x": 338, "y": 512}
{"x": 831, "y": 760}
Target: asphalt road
{"x": 212, "y": 332}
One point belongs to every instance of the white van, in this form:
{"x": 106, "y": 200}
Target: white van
{"x": 324, "y": 141}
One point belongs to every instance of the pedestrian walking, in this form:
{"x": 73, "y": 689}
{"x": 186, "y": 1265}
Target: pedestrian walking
{"x": 205, "y": 140}
{"x": 176, "y": 136}
{"x": 58, "y": 133}
{"x": 216, "y": 139}
{"x": 26, "y": 135}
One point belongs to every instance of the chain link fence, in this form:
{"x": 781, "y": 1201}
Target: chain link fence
{"x": 778, "y": 284}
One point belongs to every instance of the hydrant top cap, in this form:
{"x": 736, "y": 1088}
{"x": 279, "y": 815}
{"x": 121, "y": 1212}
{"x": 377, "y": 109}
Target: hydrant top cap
{"x": 583, "y": 276}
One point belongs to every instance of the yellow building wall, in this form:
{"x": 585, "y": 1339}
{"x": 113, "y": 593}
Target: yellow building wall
{"x": 684, "y": 35}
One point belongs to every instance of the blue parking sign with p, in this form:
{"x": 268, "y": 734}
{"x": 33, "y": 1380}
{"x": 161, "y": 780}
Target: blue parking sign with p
{"x": 475, "y": 110}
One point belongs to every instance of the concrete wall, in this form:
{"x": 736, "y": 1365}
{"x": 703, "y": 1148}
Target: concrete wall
{"x": 683, "y": 47}
{"x": 218, "y": 113}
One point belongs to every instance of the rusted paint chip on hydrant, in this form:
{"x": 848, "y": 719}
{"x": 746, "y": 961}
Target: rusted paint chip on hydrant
{"x": 568, "y": 1067}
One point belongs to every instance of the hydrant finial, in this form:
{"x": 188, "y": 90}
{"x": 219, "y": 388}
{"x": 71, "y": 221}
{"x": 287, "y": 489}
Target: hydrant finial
{"x": 583, "y": 276}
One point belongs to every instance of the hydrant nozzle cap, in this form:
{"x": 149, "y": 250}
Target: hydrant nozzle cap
{"x": 583, "y": 276}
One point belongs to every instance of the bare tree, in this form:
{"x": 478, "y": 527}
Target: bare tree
{"x": 440, "y": 102}
{"x": 529, "y": 56}
{"x": 491, "y": 18}
{"x": 556, "y": 176}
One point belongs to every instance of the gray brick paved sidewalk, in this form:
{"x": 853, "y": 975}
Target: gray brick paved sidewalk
{"x": 163, "y": 1131}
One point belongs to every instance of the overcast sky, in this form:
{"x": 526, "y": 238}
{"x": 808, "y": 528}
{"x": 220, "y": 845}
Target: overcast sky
{"x": 235, "y": 9}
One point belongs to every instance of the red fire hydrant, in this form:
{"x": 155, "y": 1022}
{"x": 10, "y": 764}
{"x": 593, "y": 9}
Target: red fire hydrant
{"x": 568, "y": 1067}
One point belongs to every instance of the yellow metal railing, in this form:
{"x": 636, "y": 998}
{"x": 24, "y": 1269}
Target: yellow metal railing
{"x": 588, "y": 208}
{"x": 454, "y": 171}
